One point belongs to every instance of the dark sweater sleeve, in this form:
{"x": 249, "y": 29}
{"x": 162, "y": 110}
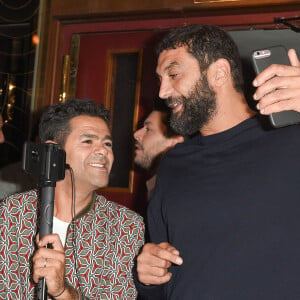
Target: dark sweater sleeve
{"x": 157, "y": 228}
{"x": 157, "y": 233}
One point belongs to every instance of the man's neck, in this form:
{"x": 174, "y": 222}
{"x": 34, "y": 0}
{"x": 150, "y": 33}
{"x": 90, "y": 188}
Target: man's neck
{"x": 232, "y": 111}
{"x": 63, "y": 203}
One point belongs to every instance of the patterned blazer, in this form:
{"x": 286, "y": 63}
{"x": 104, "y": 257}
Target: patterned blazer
{"x": 101, "y": 244}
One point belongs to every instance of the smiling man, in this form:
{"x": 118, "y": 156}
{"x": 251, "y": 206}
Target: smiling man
{"x": 92, "y": 251}
{"x": 224, "y": 216}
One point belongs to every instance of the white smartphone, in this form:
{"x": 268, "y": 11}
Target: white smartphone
{"x": 262, "y": 58}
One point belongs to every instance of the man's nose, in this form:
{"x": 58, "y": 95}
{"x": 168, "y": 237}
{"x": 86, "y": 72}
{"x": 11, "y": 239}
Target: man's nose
{"x": 101, "y": 150}
{"x": 138, "y": 134}
{"x": 165, "y": 89}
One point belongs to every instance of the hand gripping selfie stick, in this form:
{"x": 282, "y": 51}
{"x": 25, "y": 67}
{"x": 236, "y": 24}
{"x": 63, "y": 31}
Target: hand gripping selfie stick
{"x": 47, "y": 161}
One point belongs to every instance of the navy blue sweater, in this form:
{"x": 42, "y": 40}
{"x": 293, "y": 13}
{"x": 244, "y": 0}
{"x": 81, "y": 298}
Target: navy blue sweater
{"x": 230, "y": 203}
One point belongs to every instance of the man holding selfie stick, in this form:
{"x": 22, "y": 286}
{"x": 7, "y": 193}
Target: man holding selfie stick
{"x": 224, "y": 216}
{"x": 94, "y": 241}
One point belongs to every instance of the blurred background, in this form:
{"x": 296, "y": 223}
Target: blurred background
{"x": 18, "y": 42}
{"x": 51, "y": 50}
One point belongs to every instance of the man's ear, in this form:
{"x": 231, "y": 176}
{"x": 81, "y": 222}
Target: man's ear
{"x": 50, "y": 142}
{"x": 219, "y": 72}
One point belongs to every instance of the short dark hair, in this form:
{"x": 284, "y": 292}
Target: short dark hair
{"x": 207, "y": 43}
{"x": 55, "y": 121}
{"x": 160, "y": 105}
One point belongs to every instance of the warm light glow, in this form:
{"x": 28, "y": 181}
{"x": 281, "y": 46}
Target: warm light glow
{"x": 35, "y": 39}
{"x": 11, "y": 87}
{"x": 62, "y": 97}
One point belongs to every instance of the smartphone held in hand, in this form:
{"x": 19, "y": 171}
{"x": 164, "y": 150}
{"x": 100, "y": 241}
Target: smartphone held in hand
{"x": 263, "y": 58}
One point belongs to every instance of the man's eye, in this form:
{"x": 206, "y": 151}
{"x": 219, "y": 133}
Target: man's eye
{"x": 173, "y": 76}
{"x": 87, "y": 141}
{"x": 108, "y": 144}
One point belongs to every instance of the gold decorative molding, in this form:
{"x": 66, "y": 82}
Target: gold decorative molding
{"x": 213, "y": 1}
{"x": 63, "y": 96}
{"x": 242, "y": 3}
{"x": 75, "y": 47}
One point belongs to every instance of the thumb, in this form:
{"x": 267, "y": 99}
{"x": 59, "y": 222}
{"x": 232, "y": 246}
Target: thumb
{"x": 293, "y": 58}
{"x": 52, "y": 239}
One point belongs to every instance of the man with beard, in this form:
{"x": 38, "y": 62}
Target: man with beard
{"x": 154, "y": 139}
{"x": 224, "y": 217}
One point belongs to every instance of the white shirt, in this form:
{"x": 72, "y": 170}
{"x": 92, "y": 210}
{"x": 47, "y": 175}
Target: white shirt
{"x": 60, "y": 227}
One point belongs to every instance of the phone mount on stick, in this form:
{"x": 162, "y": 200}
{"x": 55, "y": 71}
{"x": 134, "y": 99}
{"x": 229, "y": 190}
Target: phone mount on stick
{"x": 48, "y": 162}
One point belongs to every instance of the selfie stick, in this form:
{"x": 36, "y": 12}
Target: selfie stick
{"x": 46, "y": 224}
{"x": 49, "y": 162}
{"x": 55, "y": 161}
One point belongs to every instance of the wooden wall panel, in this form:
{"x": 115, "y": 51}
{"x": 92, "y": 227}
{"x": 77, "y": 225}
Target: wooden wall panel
{"x": 94, "y": 7}
{"x": 61, "y": 19}
{"x": 148, "y": 13}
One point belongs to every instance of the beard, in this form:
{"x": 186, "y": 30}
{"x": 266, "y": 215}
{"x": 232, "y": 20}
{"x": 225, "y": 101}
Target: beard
{"x": 144, "y": 162}
{"x": 197, "y": 109}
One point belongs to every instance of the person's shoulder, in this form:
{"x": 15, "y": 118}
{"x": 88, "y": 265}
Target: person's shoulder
{"x": 291, "y": 128}
{"x": 24, "y": 197}
{"x": 289, "y": 132}
{"x": 117, "y": 210}
{"x": 179, "y": 149}
{"x": 26, "y": 202}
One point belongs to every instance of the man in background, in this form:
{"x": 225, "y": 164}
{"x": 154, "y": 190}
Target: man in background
{"x": 153, "y": 140}
{"x": 12, "y": 178}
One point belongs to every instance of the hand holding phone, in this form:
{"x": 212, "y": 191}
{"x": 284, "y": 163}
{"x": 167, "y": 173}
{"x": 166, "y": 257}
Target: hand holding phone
{"x": 262, "y": 59}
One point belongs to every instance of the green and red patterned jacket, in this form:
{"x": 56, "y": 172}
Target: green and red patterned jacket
{"x": 104, "y": 240}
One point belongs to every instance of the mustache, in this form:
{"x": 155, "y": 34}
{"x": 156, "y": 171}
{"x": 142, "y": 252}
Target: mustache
{"x": 170, "y": 101}
{"x": 137, "y": 143}
{"x": 99, "y": 159}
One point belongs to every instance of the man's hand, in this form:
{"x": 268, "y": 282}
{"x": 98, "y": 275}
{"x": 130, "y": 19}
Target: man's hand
{"x": 278, "y": 87}
{"x": 50, "y": 264}
{"x": 154, "y": 261}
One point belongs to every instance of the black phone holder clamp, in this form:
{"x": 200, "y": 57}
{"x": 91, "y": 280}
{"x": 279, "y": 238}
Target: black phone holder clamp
{"x": 48, "y": 161}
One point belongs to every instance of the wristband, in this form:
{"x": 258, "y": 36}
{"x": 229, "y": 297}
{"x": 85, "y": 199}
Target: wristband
{"x": 61, "y": 292}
